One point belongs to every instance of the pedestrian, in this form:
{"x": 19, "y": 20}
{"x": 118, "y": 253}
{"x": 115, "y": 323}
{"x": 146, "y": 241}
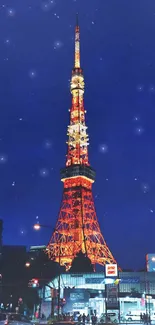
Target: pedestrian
{"x": 88, "y": 318}
{"x": 93, "y": 319}
{"x": 79, "y": 319}
{"x": 83, "y": 318}
{"x": 141, "y": 317}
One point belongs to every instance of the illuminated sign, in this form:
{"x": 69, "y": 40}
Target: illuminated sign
{"x": 77, "y": 296}
{"x": 130, "y": 280}
{"x": 94, "y": 280}
{"x": 111, "y": 270}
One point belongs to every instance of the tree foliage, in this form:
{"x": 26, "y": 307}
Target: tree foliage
{"x": 81, "y": 263}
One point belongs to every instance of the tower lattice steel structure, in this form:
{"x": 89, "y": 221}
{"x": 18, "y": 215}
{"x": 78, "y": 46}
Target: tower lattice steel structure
{"x": 77, "y": 228}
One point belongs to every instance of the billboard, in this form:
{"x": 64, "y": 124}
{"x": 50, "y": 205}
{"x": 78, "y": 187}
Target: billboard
{"x": 76, "y": 299}
{"x": 111, "y": 270}
{"x": 112, "y": 296}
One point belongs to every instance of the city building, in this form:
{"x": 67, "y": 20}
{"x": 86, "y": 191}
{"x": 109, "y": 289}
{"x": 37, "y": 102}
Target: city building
{"x": 77, "y": 228}
{"x": 91, "y": 293}
{"x": 15, "y": 255}
{"x": 13, "y": 273}
{"x": 36, "y": 251}
{"x": 13, "y": 263}
{"x": 150, "y": 262}
{"x": 1, "y": 238}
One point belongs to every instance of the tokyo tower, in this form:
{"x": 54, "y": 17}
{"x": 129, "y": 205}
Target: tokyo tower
{"x": 77, "y": 228}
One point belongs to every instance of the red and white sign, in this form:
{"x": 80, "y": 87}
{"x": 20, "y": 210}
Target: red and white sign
{"x": 111, "y": 270}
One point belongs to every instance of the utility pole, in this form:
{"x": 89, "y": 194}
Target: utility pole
{"x": 52, "y": 298}
{"x": 59, "y": 287}
{"x": 52, "y": 301}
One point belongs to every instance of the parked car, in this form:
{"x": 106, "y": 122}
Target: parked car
{"x": 111, "y": 317}
{"x": 13, "y": 319}
{"x": 132, "y": 316}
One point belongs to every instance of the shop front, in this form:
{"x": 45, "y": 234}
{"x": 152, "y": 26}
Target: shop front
{"x": 130, "y": 299}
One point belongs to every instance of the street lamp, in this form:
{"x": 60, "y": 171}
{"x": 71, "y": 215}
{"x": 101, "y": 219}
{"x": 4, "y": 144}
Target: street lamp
{"x": 36, "y": 226}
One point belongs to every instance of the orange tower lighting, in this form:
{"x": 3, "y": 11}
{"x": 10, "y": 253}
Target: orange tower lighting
{"x": 77, "y": 228}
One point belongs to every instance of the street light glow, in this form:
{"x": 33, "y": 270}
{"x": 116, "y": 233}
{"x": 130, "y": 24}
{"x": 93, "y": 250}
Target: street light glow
{"x": 37, "y": 226}
{"x": 27, "y": 264}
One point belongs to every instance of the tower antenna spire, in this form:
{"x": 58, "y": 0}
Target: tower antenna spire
{"x": 77, "y": 19}
{"x": 77, "y": 43}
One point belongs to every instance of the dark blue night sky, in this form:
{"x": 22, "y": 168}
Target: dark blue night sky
{"x": 118, "y": 58}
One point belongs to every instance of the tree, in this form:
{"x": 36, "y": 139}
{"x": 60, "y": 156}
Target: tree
{"x": 81, "y": 263}
{"x": 16, "y": 278}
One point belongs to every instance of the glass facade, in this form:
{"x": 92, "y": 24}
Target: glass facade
{"x": 132, "y": 297}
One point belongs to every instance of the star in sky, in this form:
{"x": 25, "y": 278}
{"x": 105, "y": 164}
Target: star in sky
{"x": 47, "y": 5}
{"x": 103, "y": 148}
{"x": 3, "y": 159}
{"x": 136, "y": 118}
{"x": 139, "y": 130}
{"x": 11, "y": 12}
{"x": 145, "y": 188}
{"x": 151, "y": 89}
{"x": 32, "y": 74}
{"x": 140, "y": 88}
{"x": 7, "y": 41}
{"x": 44, "y": 172}
{"x": 57, "y": 45}
{"x": 47, "y": 144}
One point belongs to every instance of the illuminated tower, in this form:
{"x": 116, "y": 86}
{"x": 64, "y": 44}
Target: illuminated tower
{"x": 77, "y": 228}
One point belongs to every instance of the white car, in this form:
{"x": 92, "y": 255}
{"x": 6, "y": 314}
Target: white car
{"x": 133, "y": 316}
{"x": 152, "y": 315}
{"x": 13, "y": 319}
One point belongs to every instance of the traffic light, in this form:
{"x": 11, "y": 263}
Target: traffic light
{"x": 34, "y": 283}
